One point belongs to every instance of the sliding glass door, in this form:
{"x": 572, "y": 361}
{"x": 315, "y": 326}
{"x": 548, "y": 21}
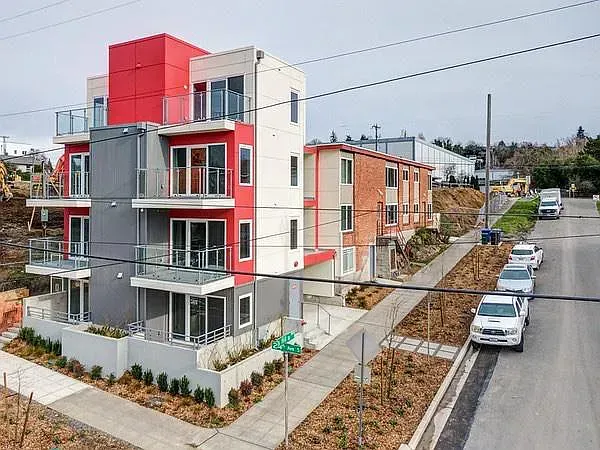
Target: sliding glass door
{"x": 79, "y": 300}
{"x": 198, "y": 243}
{"x": 197, "y": 171}
{"x": 79, "y": 169}
{"x": 198, "y": 317}
{"x": 79, "y": 237}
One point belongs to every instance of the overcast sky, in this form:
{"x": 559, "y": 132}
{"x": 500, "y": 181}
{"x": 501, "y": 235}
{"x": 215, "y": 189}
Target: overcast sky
{"x": 536, "y": 97}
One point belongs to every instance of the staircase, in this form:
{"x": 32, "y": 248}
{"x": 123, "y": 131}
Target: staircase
{"x": 8, "y": 335}
{"x": 316, "y": 338}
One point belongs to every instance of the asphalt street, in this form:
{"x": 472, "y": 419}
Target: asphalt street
{"x": 547, "y": 397}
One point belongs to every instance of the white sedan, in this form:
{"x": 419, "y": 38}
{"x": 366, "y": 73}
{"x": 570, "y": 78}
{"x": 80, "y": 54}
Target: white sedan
{"x": 527, "y": 254}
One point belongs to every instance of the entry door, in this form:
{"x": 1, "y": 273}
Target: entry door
{"x": 79, "y": 236}
{"x": 217, "y": 98}
{"x": 79, "y": 299}
{"x": 79, "y": 170}
{"x": 198, "y": 178}
{"x": 179, "y": 171}
{"x": 216, "y": 181}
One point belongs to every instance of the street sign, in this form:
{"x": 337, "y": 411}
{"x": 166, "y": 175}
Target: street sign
{"x": 285, "y": 338}
{"x": 294, "y": 349}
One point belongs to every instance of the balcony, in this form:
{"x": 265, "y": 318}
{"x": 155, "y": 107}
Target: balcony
{"x": 139, "y": 331}
{"x": 58, "y": 258}
{"x": 185, "y": 187}
{"x": 59, "y": 190}
{"x": 197, "y": 272}
{"x": 74, "y": 125}
{"x": 205, "y": 111}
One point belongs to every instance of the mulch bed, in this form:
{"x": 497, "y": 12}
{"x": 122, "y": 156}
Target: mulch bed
{"x": 364, "y": 297}
{"x": 456, "y": 308}
{"x": 387, "y": 424}
{"x": 184, "y": 408}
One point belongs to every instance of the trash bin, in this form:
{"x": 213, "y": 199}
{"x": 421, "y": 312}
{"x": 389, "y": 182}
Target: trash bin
{"x": 485, "y": 235}
{"x": 495, "y": 236}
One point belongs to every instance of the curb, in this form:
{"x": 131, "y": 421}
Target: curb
{"x": 433, "y": 406}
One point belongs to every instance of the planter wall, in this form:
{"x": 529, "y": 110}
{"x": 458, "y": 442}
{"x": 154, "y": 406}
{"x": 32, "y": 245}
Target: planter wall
{"x": 46, "y": 328}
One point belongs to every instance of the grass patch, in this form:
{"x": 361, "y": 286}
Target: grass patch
{"x": 520, "y": 218}
{"x": 598, "y": 207}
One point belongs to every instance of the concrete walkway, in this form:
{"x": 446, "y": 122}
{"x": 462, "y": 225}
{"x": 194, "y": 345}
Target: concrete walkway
{"x": 417, "y": 345}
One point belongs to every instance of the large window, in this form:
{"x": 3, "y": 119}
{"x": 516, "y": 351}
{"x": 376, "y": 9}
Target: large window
{"x": 294, "y": 107}
{"x": 346, "y": 171}
{"x": 347, "y": 260}
{"x": 346, "y": 217}
{"x": 391, "y": 177}
{"x": 429, "y": 181}
{"x": 293, "y": 170}
{"x": 404, "y": 174}
{"x": 245, "y": 240}
{"x": 391, "y": 214}
{"x": 293, "y": 234}
{"x": 416, "y": 176}
{"x": 199, "y": 170}
{"x": 245, "y": 165}
{"x": 245, "y": 311}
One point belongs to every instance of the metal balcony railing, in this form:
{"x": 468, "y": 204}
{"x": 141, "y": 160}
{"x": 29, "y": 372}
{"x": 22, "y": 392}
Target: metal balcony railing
{"x": 57, "y": 254}
{"x": 201, "y": 182}
{"x": 206, "y": 105}
{"x": 183, "y": 266}
{"x": 74, "y": 184}
{"x": 138, "y": 330}
{"x": 57, "y": 316}
{"x": 76, "y": 121}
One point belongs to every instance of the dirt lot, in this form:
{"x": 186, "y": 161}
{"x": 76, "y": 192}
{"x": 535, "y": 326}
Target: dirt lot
{"x": 334, "y": 423}
{"x": 47, "y": 429}
{"x": 456, "y": 307}
{"x": 466, "y": 202}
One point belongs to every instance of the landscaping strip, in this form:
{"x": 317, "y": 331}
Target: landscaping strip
{"x": 524, "y": 215}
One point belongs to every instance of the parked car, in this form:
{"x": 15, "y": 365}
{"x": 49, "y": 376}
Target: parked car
{"x": 500, "y": 320}
{"x": 516, "y": 278}
{"x": 527, "y": 254}
{"x": 552, "y": 193}
{"x": 549, "y": 207}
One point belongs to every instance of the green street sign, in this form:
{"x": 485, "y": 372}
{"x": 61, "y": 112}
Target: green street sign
{"x": 290, "y": 348}
{"x": 282, "y": 344}
{"x": 285, "y": 338}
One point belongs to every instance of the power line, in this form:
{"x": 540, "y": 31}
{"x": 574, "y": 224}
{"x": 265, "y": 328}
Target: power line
{"x": 32, "y": 11}
{"x": 328, "y": 280}
{"x": 74, "y": 19}
{"x": 352, "y": 52}
{"x": 364, "y": 85}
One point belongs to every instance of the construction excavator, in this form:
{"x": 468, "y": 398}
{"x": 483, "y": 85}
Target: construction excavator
{"x": 5, "y": 193}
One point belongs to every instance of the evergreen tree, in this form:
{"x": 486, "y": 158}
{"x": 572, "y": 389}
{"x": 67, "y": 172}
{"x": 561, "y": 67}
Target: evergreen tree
{"x": 333, "y": 136}
{"x": 580, "y": 132}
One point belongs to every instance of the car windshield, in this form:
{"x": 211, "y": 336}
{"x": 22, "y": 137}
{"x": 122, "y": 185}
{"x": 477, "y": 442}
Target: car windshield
{"x": 548, "y": 203}
{"x": 497, "y": 310}
{"x": 521, "y": 252}
{"x": 514, "y": 274}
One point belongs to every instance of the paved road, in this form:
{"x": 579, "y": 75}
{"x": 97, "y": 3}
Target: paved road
{"x": 549, "y": 396}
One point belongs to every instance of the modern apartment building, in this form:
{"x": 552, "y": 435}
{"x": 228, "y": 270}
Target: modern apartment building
{"x": 356, "y": 201}
{"x": 178, "y": 162}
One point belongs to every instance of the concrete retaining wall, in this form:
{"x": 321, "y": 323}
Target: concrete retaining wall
{"x": 46, "y": 328}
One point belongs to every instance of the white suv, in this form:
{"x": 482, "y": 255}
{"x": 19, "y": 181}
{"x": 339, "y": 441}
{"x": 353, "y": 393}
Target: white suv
{"x": 500, "y": 320}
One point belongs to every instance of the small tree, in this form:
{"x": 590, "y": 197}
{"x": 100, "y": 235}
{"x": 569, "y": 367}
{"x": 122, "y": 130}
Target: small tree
{"x": 348, "y": 138}
{"x": 580, "y": 133}
{"x": 333, "y": 136}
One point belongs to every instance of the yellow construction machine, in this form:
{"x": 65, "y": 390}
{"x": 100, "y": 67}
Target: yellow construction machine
{"x": 5, "y": 193}
{"x": 516, "y": 187}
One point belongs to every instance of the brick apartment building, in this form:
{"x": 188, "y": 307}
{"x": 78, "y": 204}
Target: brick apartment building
{"x": 356, "y": 201}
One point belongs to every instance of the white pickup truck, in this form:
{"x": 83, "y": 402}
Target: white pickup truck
{"x": 553, "y": 193}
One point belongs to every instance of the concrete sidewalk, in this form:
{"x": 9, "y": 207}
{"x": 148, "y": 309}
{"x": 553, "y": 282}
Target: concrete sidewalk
{"x": 263, "y": 424}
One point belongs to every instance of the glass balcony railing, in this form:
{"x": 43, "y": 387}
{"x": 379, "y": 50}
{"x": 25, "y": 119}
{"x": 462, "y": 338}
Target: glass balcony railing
{"x": 206, "y": 105}
{"x": 182, "y": 266}
{"x": 195, "y": 182}
{"x": 57, "y": 254}
{"x": 76, "y": 121}
{"x": 74, "y": 184}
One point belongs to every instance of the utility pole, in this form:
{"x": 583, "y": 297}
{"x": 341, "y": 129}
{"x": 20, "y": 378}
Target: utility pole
{"x": 4, "y": 138}
{"x": 377, "y": 127}
{"x": 487, "y": 161}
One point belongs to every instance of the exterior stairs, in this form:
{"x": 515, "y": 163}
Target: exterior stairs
{"x": 8, "y": 335}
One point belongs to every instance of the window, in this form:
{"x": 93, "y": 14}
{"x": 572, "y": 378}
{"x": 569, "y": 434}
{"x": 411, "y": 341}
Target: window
{"x": 391, "y": 177}
{"x": 391, "y": 214}
{"x": 347, "y": 260}
{"x": 293, "y": 171}
{"x": 405, "y": 209}
{"x": 416, "y": 208}
{"x": 245, "y": 239}
{"x": 245, "y": 165}
{"x": 429, "y": 181}
{"x": 245, "y": 312}
{"x": 294, "y": 107}
{"x": 293, "y": 234}
{"x": 416, "y": 176}
{"x": 346, "y": 174}
{"x": 404, "y": 174}
{"x": 346, "y": 217}
{"x": 429, "y": 211}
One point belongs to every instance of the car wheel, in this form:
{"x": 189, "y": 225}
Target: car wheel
{"x": 519, "y": 348}
{"x": 475, "y": 345}
{"x": 527, "y": 320}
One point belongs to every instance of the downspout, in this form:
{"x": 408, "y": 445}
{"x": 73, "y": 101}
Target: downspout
{"x": 137, "y": 217}
{"x": 258, "y": 56}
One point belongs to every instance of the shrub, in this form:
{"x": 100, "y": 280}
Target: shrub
{"x": 148, "y": 377}
{"x": 96, "y": 372}
{"x": 234, "y": 397}
{"x": 246, "y": 388}
{"x": 162, "y": 382}
{"x": 256, "y": 378}
{"x": 61, "y": 362}
{"x": 47, "y": 345}
{"x": 136, "y": 372}
{"x": 174, "y": 386}
{"x": 57, "y": 348}
{"x": 268, "y": 369}
{"x": 76, "y": 368}
{"x": 184, "y": 386}
{"x": 111, "y": 379}
{"x": 105, "y": 330}
{"x": 278, "y": 365}
{"x": 219, "y": 365}
{"x": 71, "y": 363}
{"x": 27, "y": 334}
{"x": 199, "y": 394}
{"x": 209, "y": 397}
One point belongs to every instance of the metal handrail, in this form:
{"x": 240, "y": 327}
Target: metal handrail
{"x": 57, "y": 316}
{"x": 193, "y": 181}
{"x": 214, "y": 104}
{"x": 319, "y": 308}
{"x": 136, "y": 329}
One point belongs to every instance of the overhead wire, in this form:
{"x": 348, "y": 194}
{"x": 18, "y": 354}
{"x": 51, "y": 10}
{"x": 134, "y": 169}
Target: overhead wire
{"x": 32, "y": 11}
